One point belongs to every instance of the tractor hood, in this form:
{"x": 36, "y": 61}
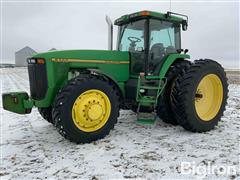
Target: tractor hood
{"x": 58, "y": 64}
{"x": 86, "y": 56}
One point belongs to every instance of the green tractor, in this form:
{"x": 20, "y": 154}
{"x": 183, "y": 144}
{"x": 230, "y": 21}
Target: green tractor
{"x": 81, "y": 91}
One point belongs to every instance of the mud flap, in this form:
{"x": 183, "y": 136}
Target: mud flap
{"x": 14, "y": 102}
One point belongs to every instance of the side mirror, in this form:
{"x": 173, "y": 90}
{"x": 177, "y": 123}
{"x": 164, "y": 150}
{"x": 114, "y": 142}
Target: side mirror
{"x": 185, "y": 51}
{"x": 179, "y": 50}
{"x": 184, "y": 25}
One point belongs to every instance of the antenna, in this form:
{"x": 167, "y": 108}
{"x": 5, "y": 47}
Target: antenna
{"x": 170, "y": 4}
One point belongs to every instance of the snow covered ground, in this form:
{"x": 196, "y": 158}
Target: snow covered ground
{"x": 31, "y": 148}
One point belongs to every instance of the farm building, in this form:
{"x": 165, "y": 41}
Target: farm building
{"x": 52, "y": 49}
{"x": 22, "y": 55}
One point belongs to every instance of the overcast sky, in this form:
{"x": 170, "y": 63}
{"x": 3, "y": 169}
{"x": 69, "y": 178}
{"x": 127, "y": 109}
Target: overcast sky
{"x": 213, "y": 26}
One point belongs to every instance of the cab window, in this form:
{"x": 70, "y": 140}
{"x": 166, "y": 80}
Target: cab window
{"x": 132, "y": 36}
{"x": 164, "y": 39}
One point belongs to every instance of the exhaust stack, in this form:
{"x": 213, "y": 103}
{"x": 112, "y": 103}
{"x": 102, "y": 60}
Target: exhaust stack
{"x": 110, "y": 32}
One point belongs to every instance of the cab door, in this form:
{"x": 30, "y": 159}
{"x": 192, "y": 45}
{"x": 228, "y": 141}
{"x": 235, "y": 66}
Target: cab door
{"x": 132, "y": 39}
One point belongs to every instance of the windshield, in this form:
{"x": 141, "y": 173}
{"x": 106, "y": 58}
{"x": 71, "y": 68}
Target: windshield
{"x": 166, "y": 34}
{"x": 132, "y": 36}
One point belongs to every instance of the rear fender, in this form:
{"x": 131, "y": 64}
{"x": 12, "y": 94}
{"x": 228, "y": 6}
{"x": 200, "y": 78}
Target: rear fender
{"x": 169, "y": 61}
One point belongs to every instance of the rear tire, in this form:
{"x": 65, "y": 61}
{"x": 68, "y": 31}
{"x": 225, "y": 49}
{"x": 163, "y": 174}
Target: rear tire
{"x": 200, "y": 95}
{"x": 46, "y": 113}
{"x": 164, "y": 109}
{"x": 79, "y": 104}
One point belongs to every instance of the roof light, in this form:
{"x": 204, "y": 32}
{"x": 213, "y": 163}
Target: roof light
{"x": 145, "y": 13}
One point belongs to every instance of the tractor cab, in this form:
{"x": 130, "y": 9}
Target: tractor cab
{"x": 149, "y": 37}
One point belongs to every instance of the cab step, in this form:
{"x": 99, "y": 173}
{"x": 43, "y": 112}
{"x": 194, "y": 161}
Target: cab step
{"x": 146, "y": 84}
{"x": 146, "y": 118}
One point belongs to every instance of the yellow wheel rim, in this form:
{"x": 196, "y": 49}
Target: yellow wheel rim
{"x": 91, "y": 110}
{"x": 208, "y": 97}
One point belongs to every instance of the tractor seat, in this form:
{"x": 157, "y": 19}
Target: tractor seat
{"x": 157, "y": 51}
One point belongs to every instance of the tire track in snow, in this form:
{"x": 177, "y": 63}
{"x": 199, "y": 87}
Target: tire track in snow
{"x": 15, "y": 80}
{"x": 19, "y": 84}
{"x": 22, "y": 76}
{"x": 7, "y": 83}
{"x": 24, "y": 84}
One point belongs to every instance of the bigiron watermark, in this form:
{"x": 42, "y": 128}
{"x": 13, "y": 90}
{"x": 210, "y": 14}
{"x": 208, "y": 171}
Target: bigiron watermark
{"x": 202, "y": 170}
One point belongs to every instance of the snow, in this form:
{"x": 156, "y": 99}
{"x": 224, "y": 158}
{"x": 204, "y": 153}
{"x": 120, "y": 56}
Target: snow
{"x": 31, "y": 148}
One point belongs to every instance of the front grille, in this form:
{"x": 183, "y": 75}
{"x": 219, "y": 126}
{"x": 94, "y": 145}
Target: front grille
{"x": 38, "y": 80}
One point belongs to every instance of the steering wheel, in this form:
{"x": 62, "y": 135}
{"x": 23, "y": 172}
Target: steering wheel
{"x": 134, "y": 39}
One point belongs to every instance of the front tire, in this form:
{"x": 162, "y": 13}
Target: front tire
{"x": 86, "y": 109}
{"x": 46, "y": 113}
{"x": 200, "y": 95}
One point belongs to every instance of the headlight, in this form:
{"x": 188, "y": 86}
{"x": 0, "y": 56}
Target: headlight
{"x": 31, "y": 61}
{"x": 36, "y": 61}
